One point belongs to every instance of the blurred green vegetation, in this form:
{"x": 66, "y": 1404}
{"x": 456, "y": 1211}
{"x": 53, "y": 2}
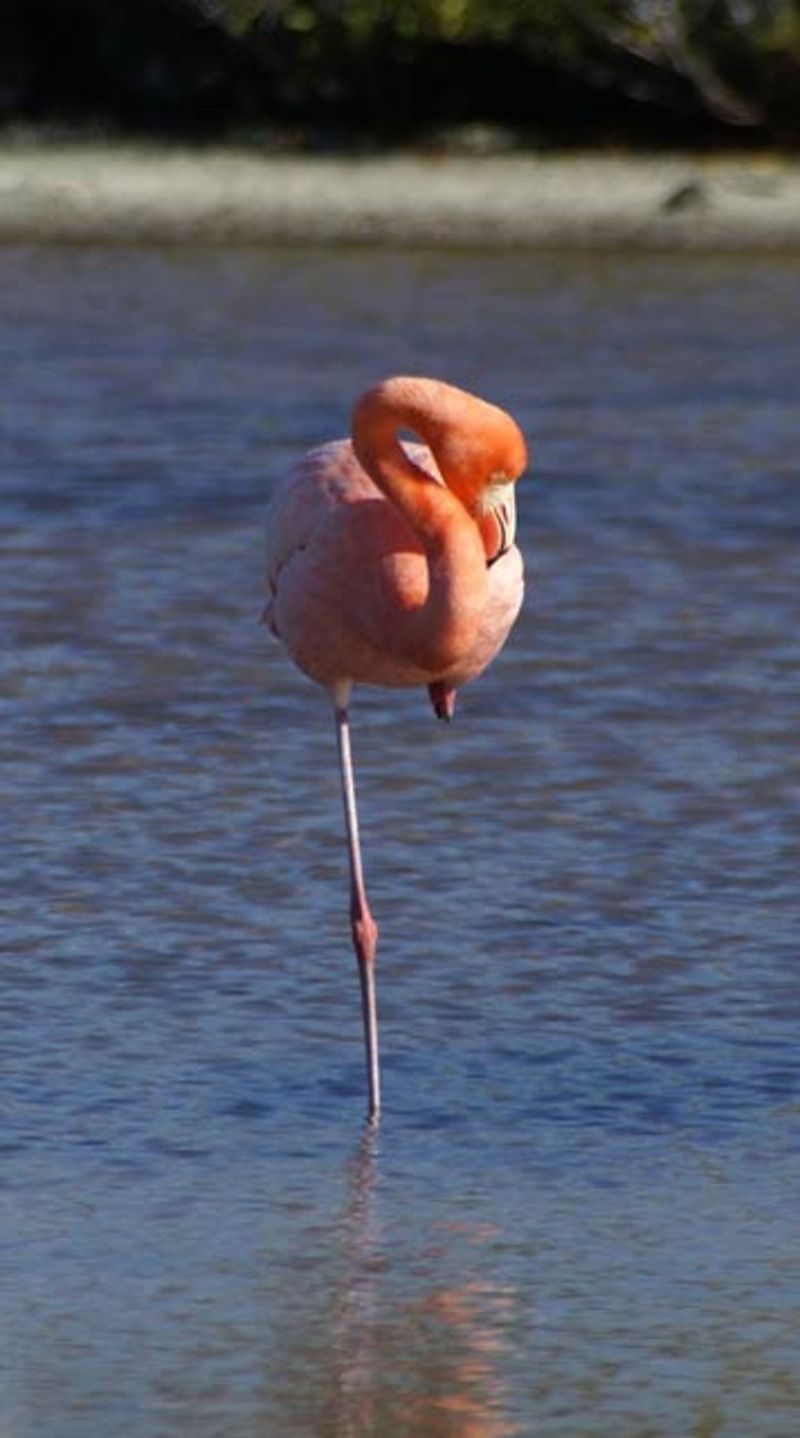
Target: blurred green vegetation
{"x": 364, "y": 72}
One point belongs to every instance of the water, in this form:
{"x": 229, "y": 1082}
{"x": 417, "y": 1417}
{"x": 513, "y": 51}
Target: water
{"x": 580, "y": 1216}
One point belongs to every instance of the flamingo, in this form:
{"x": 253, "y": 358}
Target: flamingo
{"x": 393, "y": 563}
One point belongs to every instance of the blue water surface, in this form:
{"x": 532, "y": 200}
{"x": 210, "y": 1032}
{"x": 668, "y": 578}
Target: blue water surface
{"x": 580, "y": 1216}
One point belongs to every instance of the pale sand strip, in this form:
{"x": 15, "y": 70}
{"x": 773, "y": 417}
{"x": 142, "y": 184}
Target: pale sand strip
{"x": 127, "y": 195}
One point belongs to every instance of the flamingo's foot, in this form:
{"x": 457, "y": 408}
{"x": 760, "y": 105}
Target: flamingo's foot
{"x": 443, "y": 699}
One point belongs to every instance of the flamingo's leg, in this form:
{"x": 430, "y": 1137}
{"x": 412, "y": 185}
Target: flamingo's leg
{"x": 363, "y": 926}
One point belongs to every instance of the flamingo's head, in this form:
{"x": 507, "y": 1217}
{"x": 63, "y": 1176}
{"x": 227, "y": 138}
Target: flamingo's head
{"x": 480, "y": 461}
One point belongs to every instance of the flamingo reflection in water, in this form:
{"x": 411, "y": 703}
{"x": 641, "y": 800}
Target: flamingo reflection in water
{"x": 427, "y": 1365}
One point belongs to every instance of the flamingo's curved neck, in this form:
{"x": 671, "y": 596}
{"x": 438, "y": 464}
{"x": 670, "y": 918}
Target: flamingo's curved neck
{"x": 442, "y": 630}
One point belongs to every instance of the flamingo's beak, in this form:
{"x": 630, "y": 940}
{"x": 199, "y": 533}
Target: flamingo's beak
{"x": 499, "y": 500}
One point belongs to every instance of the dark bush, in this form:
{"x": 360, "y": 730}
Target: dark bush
{"x": 364, "y": 71}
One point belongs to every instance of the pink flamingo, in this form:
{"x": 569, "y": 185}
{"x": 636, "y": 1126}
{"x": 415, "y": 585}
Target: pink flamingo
{"x": 394, "y": 563}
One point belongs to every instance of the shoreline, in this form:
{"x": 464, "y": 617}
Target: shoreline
{"x": 125, "y": 194}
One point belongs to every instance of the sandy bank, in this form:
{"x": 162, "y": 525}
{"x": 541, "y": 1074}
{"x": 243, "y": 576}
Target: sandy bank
{"x": 107, "y": 195}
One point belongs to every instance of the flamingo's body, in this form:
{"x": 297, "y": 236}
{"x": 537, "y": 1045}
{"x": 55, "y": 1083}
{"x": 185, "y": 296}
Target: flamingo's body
{"x": 341, "y": 558}
{"x": 393, "y": 564}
